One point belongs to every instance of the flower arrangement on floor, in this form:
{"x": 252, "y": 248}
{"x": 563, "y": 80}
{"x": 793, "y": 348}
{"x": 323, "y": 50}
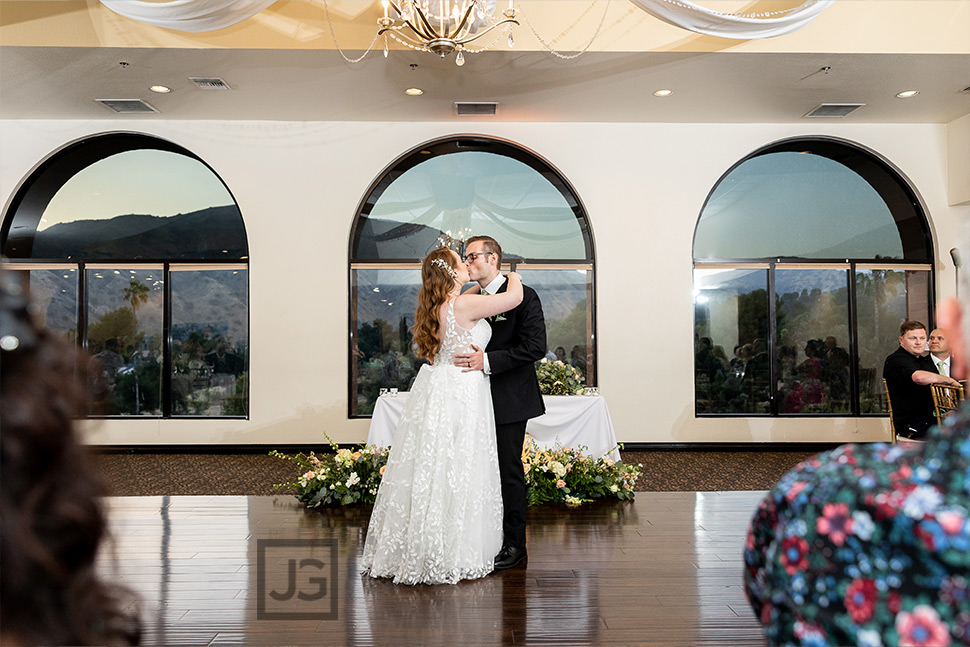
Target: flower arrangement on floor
{"x": 568, "y": 476}
{"x": 559, "y": 378}
{"x": 561, "y": 475}
{"x": 346, "y": 477}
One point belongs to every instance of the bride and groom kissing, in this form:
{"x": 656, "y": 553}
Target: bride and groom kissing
{"x": 452, "y": 501}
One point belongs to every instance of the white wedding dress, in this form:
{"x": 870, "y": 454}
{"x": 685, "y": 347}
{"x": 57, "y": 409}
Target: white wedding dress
{"x": 438, "y": 514}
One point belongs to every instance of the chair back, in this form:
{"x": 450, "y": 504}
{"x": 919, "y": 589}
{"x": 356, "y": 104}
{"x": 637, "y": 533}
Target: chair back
{"x": 946, "y": 398}
{"x": 889, "y": 404}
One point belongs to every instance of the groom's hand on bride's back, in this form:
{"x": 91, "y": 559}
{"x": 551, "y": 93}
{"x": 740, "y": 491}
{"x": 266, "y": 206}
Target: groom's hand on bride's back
{"x": 473, "y": 361}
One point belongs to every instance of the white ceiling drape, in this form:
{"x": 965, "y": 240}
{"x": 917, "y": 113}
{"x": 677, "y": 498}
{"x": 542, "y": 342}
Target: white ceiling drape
{"x": 189, "y": 15}
{"x": 691, "y": 16}
{"x": 211, "y": 15}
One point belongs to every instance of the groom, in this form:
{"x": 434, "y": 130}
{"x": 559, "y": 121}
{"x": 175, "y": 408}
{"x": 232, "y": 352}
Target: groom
{"x": 518, "y": 340}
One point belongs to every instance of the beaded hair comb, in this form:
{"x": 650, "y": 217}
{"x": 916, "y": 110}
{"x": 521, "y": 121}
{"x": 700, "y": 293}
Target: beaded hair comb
{"x": 440, "y": 262}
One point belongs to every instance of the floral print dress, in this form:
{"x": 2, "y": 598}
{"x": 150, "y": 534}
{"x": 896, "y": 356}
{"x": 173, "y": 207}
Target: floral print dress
{"x": 867, "y": 545}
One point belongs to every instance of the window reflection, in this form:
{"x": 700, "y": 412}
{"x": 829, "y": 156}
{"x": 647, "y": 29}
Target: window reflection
{"x": 53, "y": 293}
{"x": 731, "y": 361}
{"x": 82, "y": 225}
{"x": 124, "y": 333}
{"x": 210, "y": 342}
{"x": 384, "y": 305}
{"x": 565, "y": 298}
{"x": 478, "y": 192}
{"x": 885, "y": 298}
{"x": 812, "y": 320}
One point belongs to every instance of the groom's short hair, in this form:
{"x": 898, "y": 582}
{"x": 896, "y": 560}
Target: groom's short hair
{"x": 490, "y": 245}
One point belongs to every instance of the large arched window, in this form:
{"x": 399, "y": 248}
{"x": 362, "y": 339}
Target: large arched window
{"x": 135, "y": 249}
{"x": 808, "y": 254}
{"x": 459, "y": 187}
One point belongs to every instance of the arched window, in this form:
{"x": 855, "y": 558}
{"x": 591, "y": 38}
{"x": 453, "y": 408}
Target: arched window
{"x": 135, "y": 249}
{"x": 808, "y": 254}
{"x": 456, "y": 188}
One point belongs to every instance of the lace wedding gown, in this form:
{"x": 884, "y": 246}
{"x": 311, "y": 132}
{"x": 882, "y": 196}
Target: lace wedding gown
{"x": 438, "y": 514}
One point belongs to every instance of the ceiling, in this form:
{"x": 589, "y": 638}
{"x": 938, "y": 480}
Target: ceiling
{"x": 289, "y": 80}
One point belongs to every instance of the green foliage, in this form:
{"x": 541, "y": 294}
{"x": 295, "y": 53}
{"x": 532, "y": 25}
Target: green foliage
{"x": 343, "y": 478}
{"x": 569, "y": 331}
{"x": 557, "y": 378}
{"x": 139, "y": 390}
{"x": 119, "y": 324}
{"x": 566, "y": 475}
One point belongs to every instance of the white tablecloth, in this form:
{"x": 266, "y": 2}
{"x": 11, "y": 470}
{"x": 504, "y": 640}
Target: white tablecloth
{"x": 570, "y": 420}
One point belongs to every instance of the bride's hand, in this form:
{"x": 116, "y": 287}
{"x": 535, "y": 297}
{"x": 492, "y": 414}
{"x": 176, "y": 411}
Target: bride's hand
{"x": 514, "y": 274}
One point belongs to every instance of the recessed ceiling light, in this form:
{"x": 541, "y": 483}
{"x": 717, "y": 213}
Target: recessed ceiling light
{"x": 414, "y": 92}
{"x": 663, "y": 93}
{"x": 161, "y": 89}
{"x": 907, "y": 94}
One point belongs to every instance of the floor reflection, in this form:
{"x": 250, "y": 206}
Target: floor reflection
{"x": 596, "y": 575}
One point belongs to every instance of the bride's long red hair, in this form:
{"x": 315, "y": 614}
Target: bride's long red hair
{"x": 436, "y": 284}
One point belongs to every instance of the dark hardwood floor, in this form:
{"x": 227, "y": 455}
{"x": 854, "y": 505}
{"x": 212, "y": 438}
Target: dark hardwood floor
{"x": 217, "y": 570}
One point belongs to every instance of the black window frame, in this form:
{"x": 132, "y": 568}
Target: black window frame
{"x": 455, "y": 144}
{"x": 27, "y": 207}
{"x": 908, "y": 213}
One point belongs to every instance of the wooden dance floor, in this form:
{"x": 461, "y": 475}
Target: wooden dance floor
{"x": 237, "y": 570}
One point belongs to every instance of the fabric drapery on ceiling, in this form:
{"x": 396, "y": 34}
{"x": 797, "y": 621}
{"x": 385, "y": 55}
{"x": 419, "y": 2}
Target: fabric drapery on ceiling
{"x": 189, "y": 15}
{"x": 210, "y": 15}
{"x": 688, "y": 15}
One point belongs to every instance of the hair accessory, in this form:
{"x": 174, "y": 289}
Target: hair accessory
{"x": 440, "y": 262}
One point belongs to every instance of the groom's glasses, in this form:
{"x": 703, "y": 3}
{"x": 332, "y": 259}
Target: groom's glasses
{"x": 470, "y": 258}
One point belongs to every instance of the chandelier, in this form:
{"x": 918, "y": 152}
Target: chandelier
{"x": 443, "y": 26}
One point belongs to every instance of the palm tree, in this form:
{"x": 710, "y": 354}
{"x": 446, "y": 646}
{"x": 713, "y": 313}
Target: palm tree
{"x": 136, "y": 294}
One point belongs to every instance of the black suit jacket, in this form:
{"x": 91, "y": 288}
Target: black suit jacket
{"x": 518, "y": 341}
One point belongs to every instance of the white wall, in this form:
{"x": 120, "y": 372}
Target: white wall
{"x": 643, "y": 185}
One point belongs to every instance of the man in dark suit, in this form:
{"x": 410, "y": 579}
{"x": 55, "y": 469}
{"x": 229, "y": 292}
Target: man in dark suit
{"x": 908, "y": 375}
{"x": 518, "y": 341}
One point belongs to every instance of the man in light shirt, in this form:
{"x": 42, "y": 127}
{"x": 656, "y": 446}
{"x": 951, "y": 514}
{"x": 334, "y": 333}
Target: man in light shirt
{"x": 940, "y": 351}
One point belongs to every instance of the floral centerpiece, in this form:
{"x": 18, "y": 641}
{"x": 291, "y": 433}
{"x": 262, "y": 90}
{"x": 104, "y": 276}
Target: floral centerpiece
{"x": 559, "y": 378}
{"x": 567, "y": 475}
{"x": 348, "y": 476}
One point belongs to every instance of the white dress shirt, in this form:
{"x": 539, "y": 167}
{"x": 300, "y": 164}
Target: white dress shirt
{"x": 946, "y": 364}
{"x": 492, "y": 288}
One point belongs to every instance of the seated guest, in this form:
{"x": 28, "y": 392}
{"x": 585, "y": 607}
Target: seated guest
{"x": 908, "y": 375}
{"x": 940, "y": 351}
{"x": 868, "y": 544}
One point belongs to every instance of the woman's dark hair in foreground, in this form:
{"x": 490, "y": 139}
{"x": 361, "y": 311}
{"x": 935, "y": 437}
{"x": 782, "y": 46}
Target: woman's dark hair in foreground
{"x": 51, "y": 517}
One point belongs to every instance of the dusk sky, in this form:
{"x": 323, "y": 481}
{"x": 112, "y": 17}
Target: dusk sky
{"x": 151, "y": 182}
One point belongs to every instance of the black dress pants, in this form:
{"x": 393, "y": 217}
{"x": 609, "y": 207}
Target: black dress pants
{"x": 509, "y": 439}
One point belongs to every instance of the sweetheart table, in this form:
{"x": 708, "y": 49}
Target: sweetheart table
{"x": 570, "y": 421}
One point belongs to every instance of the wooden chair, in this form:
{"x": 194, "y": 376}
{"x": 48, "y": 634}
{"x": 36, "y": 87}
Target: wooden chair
{"x": 889, "y": 405}
{"x": 946, "y": 398}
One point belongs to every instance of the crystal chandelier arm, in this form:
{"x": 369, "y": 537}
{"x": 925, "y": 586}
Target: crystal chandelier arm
{"x": 422, "y": 28}
{"x": 461, "y": 25}
{"x": 428, "y": 32}
{"x": 479, "y": 34}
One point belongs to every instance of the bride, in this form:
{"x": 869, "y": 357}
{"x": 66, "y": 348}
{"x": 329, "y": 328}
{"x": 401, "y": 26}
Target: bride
{"x": 438, "y": 514}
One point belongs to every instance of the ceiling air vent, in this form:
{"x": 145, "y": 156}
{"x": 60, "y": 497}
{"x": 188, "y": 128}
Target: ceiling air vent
{"x": 209, "y": 83}
{"x": 128, "y": 106}
{"x": 475, "y": 109}
{"x": 833, "y": 109}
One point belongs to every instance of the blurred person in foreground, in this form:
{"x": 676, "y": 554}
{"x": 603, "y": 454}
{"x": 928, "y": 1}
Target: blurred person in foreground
{"x": 869, "y": 544}
{"x": 51, "y": 517}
